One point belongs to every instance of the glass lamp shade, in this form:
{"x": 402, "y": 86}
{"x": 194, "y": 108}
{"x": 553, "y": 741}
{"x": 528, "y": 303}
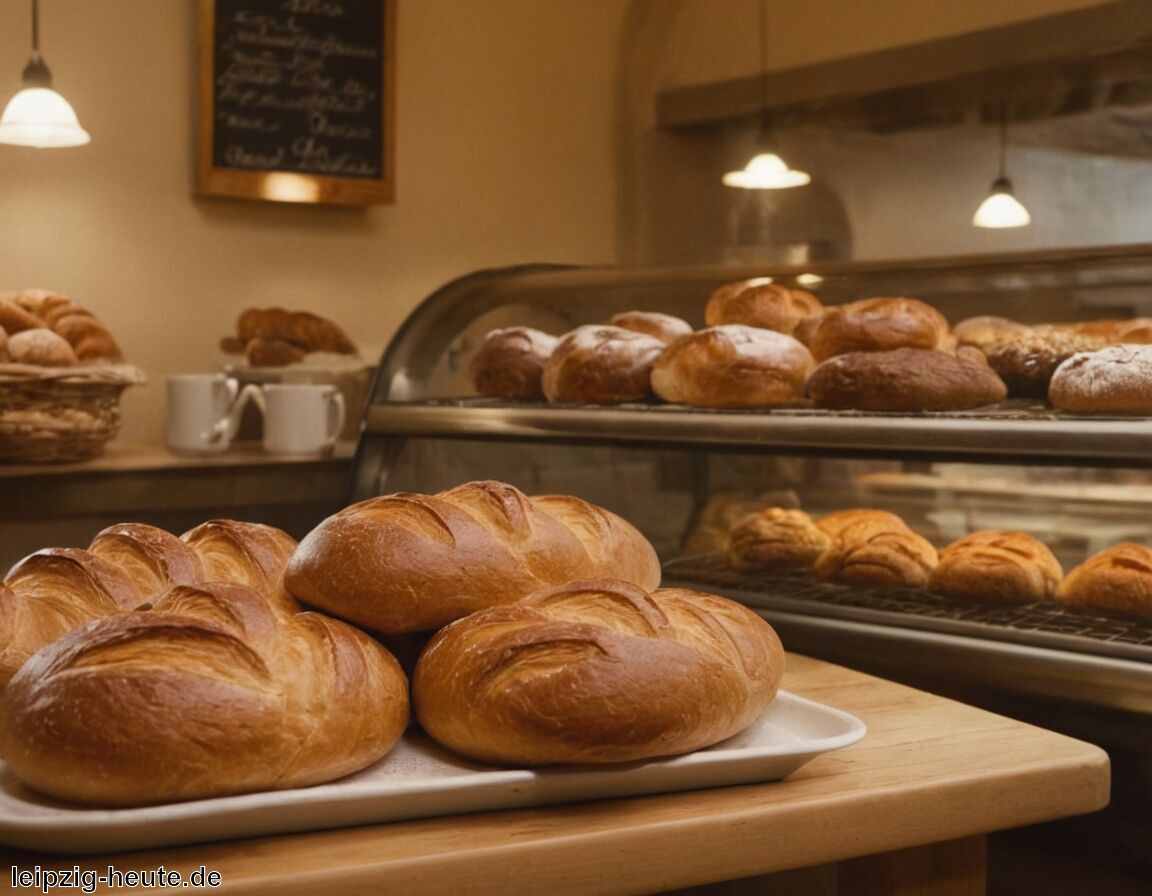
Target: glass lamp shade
{"x": 766, "y": 171}
{"x": 42, "y": 118}
{"x": 1001, "y": 209}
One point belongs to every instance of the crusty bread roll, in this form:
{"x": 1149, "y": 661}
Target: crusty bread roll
{"x": 1117, "y": 579}
{"x": 597, "y": 364}
{"x": 879, "y": 324}
{"x": 244, "y": 553}
{"x": 215, "y": 691}
{"x": 875, "y": 549}
{"x": 1026, "y": 364}
{"x": 776, "y": 537}
{"x": 153, "y": 559}
{"x": 303, "y": 329}
{"x": 89, "y": 339}
{"x": 833, "y": 524}
{"x": 905, "y": 380}
{"x": 664, "y": 327}
{"x": 510, "y": 362}
{"x": 597, "y": 672}
{"x": 763, "y": 304}
{"x": 997, "y": 566}
{"x": 41, "y": 347}
{"x": 733, "y": 366}
{"x": 1113, "y": 380}
{"x": 408, "y": 563}
{"x": 988, "y": 329}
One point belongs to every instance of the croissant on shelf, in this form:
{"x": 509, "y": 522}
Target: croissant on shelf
{"x": 275, "y": 337}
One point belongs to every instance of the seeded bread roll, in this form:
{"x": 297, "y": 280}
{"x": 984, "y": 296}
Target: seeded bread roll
{"x": 597, "y": 364}
{"x": 1117, "y": 579}
{"x": 1026, "y": 364}
{"x": 762, "y": 304}
{"x": 774, "y": 538}
{"x": 733, "y": 366}
{"x": 664, "y": 327}
{"x": 879, "y": 324}
{"x": 905, "y": 380}
{"x": 1113, "y": 380}
{"x": 875, "y": 549}
{"x": 997, "y": 566}
{"x": 597, "y": 672}
{"x": 510, "y": 363}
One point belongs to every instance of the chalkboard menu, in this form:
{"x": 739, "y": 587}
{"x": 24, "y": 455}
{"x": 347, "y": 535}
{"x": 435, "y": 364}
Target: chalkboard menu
{"x": 296, "y": 100}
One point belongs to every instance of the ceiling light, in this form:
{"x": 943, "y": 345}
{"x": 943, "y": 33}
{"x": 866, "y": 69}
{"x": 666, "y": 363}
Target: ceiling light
{"x": 1002, "y": 209}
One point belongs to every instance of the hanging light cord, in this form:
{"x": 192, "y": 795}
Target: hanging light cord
{"x": 36, "y": 72}
{"x": 765, "y": 127}
{"x": 1003, "y": 140}
{"x": 35, "y": 27}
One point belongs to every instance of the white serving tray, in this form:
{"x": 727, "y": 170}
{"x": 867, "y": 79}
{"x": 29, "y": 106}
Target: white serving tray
{"x": 419, "y": 779}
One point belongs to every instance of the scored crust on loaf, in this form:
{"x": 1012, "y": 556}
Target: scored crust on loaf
{"x": 874, "y": 548}
{"x": 733, "y": 366}
{"x": 215, "y": 691}
{"x": 763, "y": 304}
{"x": 776, "y": 537}
{"x": 510, "y": 363}
{"x": 597, "y": 672}
{"x": 988, "y": 329}
{"x": 1117, "y": 579}
{"x": 664, "y": 327}
{"x": 997, "y": 566}
{"x": 600, "y": 364}
{"x": 1115, "y": 380}
{"x": 877, "y": 324}
{"x": 408, "y": 562}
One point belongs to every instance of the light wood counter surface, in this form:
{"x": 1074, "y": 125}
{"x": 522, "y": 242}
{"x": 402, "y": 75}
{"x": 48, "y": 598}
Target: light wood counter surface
{"x": 902, "y": 811}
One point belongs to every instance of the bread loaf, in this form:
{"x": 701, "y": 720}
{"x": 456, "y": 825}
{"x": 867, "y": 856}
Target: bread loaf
{"x": 774, "y": 538}
{"x": 1117, "y": 579}
{"x": 87, "y": 338}
{"x": 997, "y": 566}
{"x": 762, "y": 304}
{"x": 879, "y": 324}
{"x": 1113, "y": 380}
{"x": 597, "y": 364}
{"x": 597, "y": 672}
{"x": 875, "y": 549}
{"x": 1026, "y": 364}
{"x": 407, "y": 562}
{"x": 664, "y": 327}
{"x": 305, "y": 330}
{"x": 510, "y": 363}
{"x": 905, "y": 380}
{"x": 215, "y": 691}
{"x": 733, "y": 366}
{"x": 986, "y": 330}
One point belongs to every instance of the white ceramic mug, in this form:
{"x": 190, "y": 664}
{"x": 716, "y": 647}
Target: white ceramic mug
{"x": 301, "y": 418}
{"x": 202, "y": 412}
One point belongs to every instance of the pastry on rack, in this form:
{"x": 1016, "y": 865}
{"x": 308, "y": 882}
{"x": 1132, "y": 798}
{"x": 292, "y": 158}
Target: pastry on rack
{"x": 905, "y": 380}
{"x": 664, "y": 327}
{"x": 60, "y": 331}
{"x": 880, "y": 324}
{"x": 269, "y": 337}
{"x": 509, "y": 363}
{"x": 763, "y": 304}
{"x": 985, "y": 330}
{"x": 597, "y": 671}
{"x": 601, "y": 364}
{"x": 776, "y": 538}
{"x": 872, "y": 548}
{"x": 1112, "y": 380}
{"x": 1026, "y": 363}
{"x": 733, "y": 366}
{"x": 997, "y": 566}
{"x": 1117, "y": 579}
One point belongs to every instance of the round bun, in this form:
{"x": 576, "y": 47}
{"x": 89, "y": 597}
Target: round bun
{"x": 776, "y": 537}
{"x": 408, "y": 563}
{"x": 1117, "y": 579}
{"x": 761, "y": 303}
{"x": 597, "y": 672}
{"x": 1113, "y": 380}
{"x": 41, "y": 347}
{"x": 733, "y": 366}
{"x": 510, "y": 363}
{"x": 600, "y": 364}
{"x": 997, "y": 566}
{"x": 986, "y": 330}
{"x": 879, "y": 324}
{"x": 664, "y": 327}
{"x": 905, "y": 380}
{"x": 1026, "y": 363}
{"x": 875, "y": 549}
{"x": 30, "y": 309}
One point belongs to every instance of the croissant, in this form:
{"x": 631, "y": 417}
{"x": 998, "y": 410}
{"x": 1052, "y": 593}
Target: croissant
{"x": 31, "y": 308}
{"x": 406, "y": 562}
{"x": 597, "y": 671}
{"x": 215, "y": 691}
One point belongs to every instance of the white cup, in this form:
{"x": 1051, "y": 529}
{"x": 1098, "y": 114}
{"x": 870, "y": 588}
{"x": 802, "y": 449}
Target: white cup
{"x": 201, "y": 413}
{"x": 300, "y": 418}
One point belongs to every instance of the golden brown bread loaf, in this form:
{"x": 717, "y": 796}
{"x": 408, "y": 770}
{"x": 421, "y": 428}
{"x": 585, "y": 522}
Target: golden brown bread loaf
{"x": 997, "y": 566}
{"x": 874, "y": 549}
{"x": 762, "y": 304}
{"x": 597, "y": 672}
{"x": 776, "y": 537}
{"x": 1026, "y": 363}
{"x": 215, "y": 691}
{"x": 1113, "y": 380}
{"x": 1117, "y": 579}
{"x": 988, "y": 329}
{"x": 664, "y": 327}
{"x": 31, "y": 309}
{"x": 510, "y": 363}
{"x": 408, "y": 563}
{"x": 905, "y": 380}
{"x": 273, "y": 337}
{"x": 599, "y": 364}
{"x": 879, "y": 324}
{"x": 733, "y": 366}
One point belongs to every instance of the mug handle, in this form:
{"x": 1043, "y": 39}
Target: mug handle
{"x": 336, "y": 413}
{"x": 225, "y": 428}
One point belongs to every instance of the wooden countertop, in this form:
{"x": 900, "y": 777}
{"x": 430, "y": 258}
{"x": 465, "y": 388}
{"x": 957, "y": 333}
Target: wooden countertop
{"x": 915, "y": 796}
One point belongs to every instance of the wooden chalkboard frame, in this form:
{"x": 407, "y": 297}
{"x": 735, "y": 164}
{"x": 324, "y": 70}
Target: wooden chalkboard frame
{"x": 292, "y": 186}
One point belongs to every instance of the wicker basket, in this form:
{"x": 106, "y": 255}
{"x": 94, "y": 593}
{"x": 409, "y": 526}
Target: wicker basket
{"x": 51, "y": 415}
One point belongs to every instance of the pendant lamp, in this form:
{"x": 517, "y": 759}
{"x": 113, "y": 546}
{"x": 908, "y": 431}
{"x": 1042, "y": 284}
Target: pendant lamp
{"x": 1002, "y": 209}
{"x": 37, "y": 115}
{"x": 765, "y": 170}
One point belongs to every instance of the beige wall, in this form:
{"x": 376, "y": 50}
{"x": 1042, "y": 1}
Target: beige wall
{"x": 504, "y": 155}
